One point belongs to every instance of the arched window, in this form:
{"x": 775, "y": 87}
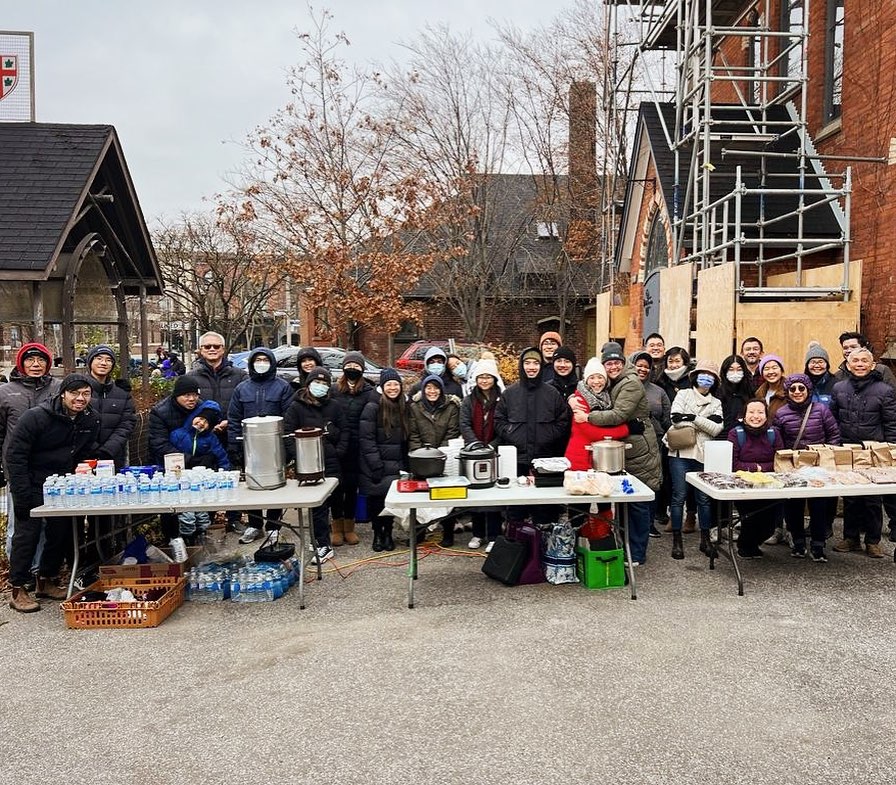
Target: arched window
{"x": 657, "y": 247}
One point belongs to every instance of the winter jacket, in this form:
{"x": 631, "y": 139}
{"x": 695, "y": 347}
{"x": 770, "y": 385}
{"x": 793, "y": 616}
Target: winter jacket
{"x": 382, "y": 456}
{"x": 261, "y": 395}
{"x": 865, "y": 408}
{"x": 704, "y": 412}
{"x": 777, "y": 399}
{"x": 115, "y": 408}
{"x": 352, "y": 405}
{"x": 672, "y": 387}
{"x": 18, "y": 395}
{"x": 758, "y": 448}
{"x": 532, "y": 417}
{"x": 305, "y": 411}
{"x": 565, "y": 385}
{"x": 660, "y": 408}
{"x": 166, "y": 416}
{"x": 630, "y": 406}
{"x": 734, "y": 404}
{"x": 884, "y": 370}
{"x": 195, "y": 445}
{"x": 821, "y": 427}
{"x": 474, "y": 429}
{"x": 47, "y": 441}
{"x": 822, "y": 387}
{"x": 584, "y": 433}
{"x": 435, "y": 427}
{"x": 218, "y": 386}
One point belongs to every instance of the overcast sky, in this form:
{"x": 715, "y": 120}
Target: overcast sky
{"x": 184, "y": 81}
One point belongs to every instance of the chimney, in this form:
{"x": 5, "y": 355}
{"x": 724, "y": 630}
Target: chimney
{"x": 583, "y": 187}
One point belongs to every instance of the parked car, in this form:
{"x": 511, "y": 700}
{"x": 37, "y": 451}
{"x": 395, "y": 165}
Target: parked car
{"x": 412, "y": 357}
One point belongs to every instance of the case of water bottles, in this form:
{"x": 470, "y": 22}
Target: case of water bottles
{"x": 138, "y": 486}
{"x": 241, "y": 581}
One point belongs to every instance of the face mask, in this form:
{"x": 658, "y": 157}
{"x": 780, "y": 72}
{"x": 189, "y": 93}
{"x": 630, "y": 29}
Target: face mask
{"x": 734, "y": 377}
{"x": 436, "y": 369}
{"x": 460, "y": 371}
{"x": 676, "y": 374}
{"x": 353, "y": 374}
{"x": 705, "y": 380}
{"x": 318, "y": 389}
{"x": 261, "y": 367}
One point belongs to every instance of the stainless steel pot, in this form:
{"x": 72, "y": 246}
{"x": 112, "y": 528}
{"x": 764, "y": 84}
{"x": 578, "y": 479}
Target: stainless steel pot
{"x": 309, "y": 455}
{"x": 263, "y": 453}
{"x": 479, "y": 464}
{"x": 427, "y": 461}
{"x": 608, "y": 455}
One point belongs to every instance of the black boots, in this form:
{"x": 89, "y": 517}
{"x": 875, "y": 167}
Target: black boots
{"x": 382, "y": 536}
{"x": 705, "y": 545}
{"x": 677, "y": 546}
{"x": 377, "y": 537}
{"x": 447, "y": 534}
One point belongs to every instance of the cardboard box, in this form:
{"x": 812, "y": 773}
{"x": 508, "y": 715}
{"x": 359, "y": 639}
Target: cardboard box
{"x": 112, "y": 568}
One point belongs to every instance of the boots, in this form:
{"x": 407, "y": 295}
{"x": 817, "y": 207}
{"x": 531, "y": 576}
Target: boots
{"x": 47, "y": 588}
{"x": 377, "y": 537}
{"x": 386, "y": 539}
{"x": 690, "y": 523}
{"x": 336, "y": 538}
{"x": 677, "y": 546}
{"x": 348, "y": 529}
{"x": 447, "y": 535}
{"x": 22, "y": 602}
{"x": 705, "y": 544}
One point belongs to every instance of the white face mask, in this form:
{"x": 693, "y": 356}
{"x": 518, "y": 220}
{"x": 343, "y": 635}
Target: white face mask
{"x": 261, "y": 367}
{"x": 734, "y": 376}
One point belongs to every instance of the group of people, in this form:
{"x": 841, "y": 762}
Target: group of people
{"x": 663, "y": 405}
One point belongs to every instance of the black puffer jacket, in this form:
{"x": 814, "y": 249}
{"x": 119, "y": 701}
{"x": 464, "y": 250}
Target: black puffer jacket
{"x": 115, "y": 408}
{"x": 352, "y": 405}
{"x": 865, "y": 408}
{"x": 166, "y": 416}
{"x": 18, "y": 395}
{"x": 533, "y": 417}
{"x": 306, "y": 411}
{"x": 382, "y": 456}
{"x": 217, "y": 386}
{"x": 47, "y": 441}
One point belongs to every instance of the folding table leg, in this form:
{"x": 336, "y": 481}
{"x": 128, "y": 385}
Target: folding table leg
{"x": 412, "y": 562}
{"x": 623, "y": 518}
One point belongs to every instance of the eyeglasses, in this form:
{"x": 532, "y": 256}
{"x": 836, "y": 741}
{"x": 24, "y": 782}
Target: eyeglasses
{"x": 798, "y": 388}
{"x": 85, "y": 395}
{"x": 212, "y": 346}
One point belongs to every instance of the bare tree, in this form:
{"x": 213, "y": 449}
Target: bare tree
{"x": 216, "y": 275}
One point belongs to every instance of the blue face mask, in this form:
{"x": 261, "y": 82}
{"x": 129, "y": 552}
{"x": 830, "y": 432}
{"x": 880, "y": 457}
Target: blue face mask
{"x": 436, "y": 369}
{"x": 705, "y": 380}
{"x": 318, "y": 389}
{"x": 460, "y": 370}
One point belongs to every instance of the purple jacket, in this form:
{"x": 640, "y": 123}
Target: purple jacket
{"x": 821, "y": 427}
{"x": 757, "y": 450}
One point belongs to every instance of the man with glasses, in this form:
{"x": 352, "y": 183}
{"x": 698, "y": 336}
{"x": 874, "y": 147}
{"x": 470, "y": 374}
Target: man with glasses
{"x": 655, "y": 347}
{"x": 218, "y": 378}
{"x": 51, "y": 438}
{"x": 29, "y": 384}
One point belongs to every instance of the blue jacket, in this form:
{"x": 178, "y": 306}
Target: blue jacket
{"x": 199, "y": 445}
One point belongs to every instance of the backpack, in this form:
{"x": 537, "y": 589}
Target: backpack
{"x": 742, "y": 435}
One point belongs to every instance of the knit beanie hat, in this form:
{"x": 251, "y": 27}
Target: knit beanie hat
{"x": 389, "y": 375}
{"x": 817, "y": 352}
{"x": 531, "y": 354}
{"x": 565, "y": 353}
{"x": 98, "y": 350}
{"x": 552, "y": 335}
{"x": 31, "y": 350}
{"x": 74, "y": 381}
{"x": 433, "y": 379}
{"x": 354, "y": 357}
{"x": 640, "y": 356}
{"x": 486, "y": 365}
{"x": 318, "y": 374}
{"x": 185, "y": 384}
{"x": 770, "y": 358}
{"x": 593, "y": 366}
{"x": 611, "y": 351}
{"x": 799, "y": 378}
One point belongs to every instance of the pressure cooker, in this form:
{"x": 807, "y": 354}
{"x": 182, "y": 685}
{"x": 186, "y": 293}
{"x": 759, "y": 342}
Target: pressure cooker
{"x": 479, "y": 464}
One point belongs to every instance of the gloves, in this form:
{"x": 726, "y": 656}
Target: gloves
{"x": 717, "y": 418}
{"x": 679, "y": 417}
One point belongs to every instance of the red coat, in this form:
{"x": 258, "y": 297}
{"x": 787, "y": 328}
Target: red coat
{"x": 584, "y": 433}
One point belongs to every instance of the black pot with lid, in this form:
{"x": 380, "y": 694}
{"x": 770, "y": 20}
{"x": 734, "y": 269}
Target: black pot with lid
{"x": 427, "y": 461}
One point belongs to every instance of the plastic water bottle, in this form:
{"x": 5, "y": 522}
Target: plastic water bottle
{"x": 209, "y": 487}
{"x": 155, "y": 489}
{"x": 183, "y": 495}
{"x": 235, "y": 587}
{"x": 129, "y": 489}
{"x": 68, "y": 492}
{"x": 110, "y": 491}
{"x": 95, "y": 490}
{"x": 49, "y": 483}
{"x": 143, "y": 489}
{"x": 81, "y": 491}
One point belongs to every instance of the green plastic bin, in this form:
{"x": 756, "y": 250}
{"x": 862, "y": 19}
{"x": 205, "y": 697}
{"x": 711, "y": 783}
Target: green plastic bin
{"x": 600, "y": 569}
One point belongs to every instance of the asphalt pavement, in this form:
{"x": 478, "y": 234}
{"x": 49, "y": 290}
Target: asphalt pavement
{"x": 480, "y": 683}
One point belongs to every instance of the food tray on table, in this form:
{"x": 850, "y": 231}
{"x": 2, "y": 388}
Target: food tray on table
{"x": 102, "y": 614}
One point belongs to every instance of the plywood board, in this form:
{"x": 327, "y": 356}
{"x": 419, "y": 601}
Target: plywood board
{"x": 715, "y": 312}
{"x": 602, "y": 305}
{"x": 676, "y": 287}
{"x": 619, "y": 319}
{"x": 829, "y": 275}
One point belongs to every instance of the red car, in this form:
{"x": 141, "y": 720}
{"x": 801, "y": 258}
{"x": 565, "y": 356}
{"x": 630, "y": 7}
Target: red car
{"x": 412, "y": 357}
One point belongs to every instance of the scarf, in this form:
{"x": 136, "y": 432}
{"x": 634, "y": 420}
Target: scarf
{"x": 596, "y": 401}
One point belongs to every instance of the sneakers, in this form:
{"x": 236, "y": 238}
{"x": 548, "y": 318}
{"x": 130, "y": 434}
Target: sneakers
{"x": 818, "y": 554}
{"x": 778, "y": 538}
{"x": 475, "y": 543}
{"x": 798, "y": 551}
{"x": 653, "y": 531}
{"x": 846, "y": 545}
{"x": 250, "y": 535}
{"x": 274, "y": 536}
{"x": 873, "y": 550}
{"x": 322, "y": 554}
{"x": 488, "y": 548}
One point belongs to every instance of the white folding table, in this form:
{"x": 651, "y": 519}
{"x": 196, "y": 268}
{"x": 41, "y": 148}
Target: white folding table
{"x": 517, "y": 495}
{"x": 292, "y": 495}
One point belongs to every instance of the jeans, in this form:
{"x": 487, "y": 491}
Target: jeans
{"x": 639, "y": 519}
{"x": 678, "y": 467}
{"x": 191, "y": 523}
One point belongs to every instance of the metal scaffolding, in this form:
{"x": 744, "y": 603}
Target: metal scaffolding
{"x": 749, "y": 185}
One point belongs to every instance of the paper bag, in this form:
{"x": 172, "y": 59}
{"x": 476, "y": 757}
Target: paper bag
{"x": 862, "y": 459}
{"x": 881, "y": 453}
{"x": 783, "y": 460}
{"x": 842, "y": 458}
{"x": 825, "y": 456}
{"x": 805, "y": 458}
